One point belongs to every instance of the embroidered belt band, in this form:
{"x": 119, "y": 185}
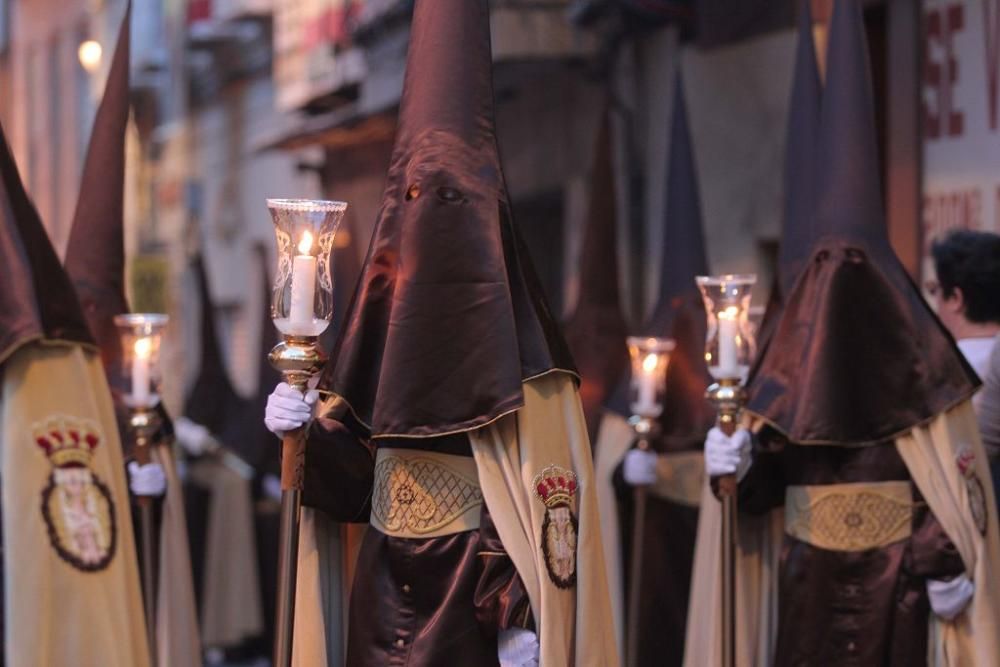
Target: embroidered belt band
{"x": 422, "y": 494}
{"x": 849, "y": 517}
{"x": 679, "y": 477}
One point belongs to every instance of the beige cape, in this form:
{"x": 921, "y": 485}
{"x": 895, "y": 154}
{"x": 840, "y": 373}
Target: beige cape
{"x": 177, "y": 638}
{"x": 575, "y": 625}
{"x": 56, "y": 613}
{"x": 931, "y": 453}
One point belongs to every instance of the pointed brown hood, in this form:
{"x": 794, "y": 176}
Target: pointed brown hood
{"x": 857, "y": 356}
{"x": 95, "y": 257}
{"x": 37, "y": 300}
{"x": 596, "y": 331}
{"x": 448, "y": 317}
{"x": 801, "y": 165}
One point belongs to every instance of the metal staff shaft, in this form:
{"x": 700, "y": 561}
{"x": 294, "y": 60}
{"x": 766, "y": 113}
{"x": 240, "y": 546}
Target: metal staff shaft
{"x": 728, "y": 396}
{"x": 143, "y": 423}
{"x": 298, "y": 358}
{"x": 635, "y": 565}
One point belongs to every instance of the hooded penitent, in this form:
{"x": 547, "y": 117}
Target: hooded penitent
{"x": 448, "y": 311}
{"x": 596, "y": 331}
{"x": 671, "y": 507}
{"x": 451, "y": 380}
{"x": 95, "y": 262}
{"x": 859, "y": 404}
{"x": 231, "y": 608}
{"x": 68, "y": 548}
{"x": 862, "y": 358}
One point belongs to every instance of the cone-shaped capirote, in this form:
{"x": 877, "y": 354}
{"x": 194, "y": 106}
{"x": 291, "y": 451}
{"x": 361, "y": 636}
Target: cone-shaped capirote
{"x": 801, "y": 160}
{"x": 37, "y": 300}
{"x": 596, "y": 331}
{"x": 857, "y": 356}
{"x": 448, "y": 317}
{"x": 95, "y": 256}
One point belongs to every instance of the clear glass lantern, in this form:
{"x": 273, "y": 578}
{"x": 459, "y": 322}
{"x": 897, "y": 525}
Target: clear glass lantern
{"x": 650, "y": 357}
{"x": 141, "y": 335}
{"x": 302, "y": 299}
{"x": 729, "y": 343}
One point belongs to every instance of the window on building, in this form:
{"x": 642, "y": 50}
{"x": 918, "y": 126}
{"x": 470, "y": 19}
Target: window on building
{"x": 4, "y": 31}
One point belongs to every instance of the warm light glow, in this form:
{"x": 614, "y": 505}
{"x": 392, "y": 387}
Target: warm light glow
{"x": 730, "y": 313}
{"x": 90, "y": 53}
{"x": 305, "y": 245}
{"x": 143, "y": 348}
{"x": 650, "y": 362}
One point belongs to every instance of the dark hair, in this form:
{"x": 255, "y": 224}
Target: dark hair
{"x": 970, "y": 261}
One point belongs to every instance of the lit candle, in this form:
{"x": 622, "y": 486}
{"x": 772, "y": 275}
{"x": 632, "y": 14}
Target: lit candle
{"x": 646, "y": 404}
{"x": 140, "y": 371}
{"x": 728, "y": 353}
{"x": 300, "y": 316}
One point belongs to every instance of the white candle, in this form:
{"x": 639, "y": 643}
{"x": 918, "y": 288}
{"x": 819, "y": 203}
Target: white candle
{"x": 646, "y": 404}
{"x": 300, "y": 316}
{"x": 140, "y": 371}
{"x": 728, "y": 353}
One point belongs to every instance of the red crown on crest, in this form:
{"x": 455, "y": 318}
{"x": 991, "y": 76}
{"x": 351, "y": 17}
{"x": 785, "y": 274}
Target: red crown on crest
{"x": 555, "y": 486}
{"x": 67, "y": 442}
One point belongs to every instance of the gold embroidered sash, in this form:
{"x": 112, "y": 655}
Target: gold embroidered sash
{"x": 849, "y": 517}
{"x": 422, "y": 494}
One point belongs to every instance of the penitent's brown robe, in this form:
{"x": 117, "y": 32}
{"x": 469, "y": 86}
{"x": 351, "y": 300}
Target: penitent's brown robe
{"x": 438, "y": 601}
{"x": 864, "y": 607}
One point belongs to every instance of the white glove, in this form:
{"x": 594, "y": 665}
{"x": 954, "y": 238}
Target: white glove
{"x": 950, "y": 598}
{"x": 146, "y": 480}
{"x": 639, "y": 467}
{"x": 288, "y": 409}
{"x": 727, "y": 455}
{"x": 271, "y": 485}
{"x": 517, "y": 647}
{"x": 193, "y": 437}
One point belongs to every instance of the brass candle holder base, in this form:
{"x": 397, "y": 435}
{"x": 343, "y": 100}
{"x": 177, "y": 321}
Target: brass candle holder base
{"x": 299, "y": 358}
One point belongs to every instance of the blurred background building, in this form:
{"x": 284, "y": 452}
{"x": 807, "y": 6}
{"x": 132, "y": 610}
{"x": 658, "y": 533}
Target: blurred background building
{"x": 238, "y": 100}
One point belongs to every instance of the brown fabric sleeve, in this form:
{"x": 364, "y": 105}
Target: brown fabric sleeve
{"x": 932, "y": 553}
{"x": 339, "y": 472}
{"x": 763, "y": 487}
{"x": 501, "y": 600}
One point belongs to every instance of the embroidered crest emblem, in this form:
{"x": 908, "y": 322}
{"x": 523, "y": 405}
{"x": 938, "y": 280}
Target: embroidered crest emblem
{"x": 966, "y": 461}
{"x": 76, "y": 504}
{"x": 556, "y": 487}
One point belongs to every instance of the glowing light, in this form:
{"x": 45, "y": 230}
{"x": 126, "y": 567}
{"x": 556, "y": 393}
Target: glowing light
{"x": 305, "y": 245}
{"x": 143, "y": 348}
{"x": 730, "y": 313}
{"x": 650, "y": 363}
{"x": 90, "y": 53}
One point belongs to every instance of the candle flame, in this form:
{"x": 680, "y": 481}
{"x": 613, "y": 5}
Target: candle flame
{"x": 143, "y": 348}
{"x": 730, "y": 313}
{"x": 650, "y": 363}
{"x": 305, "y": 245}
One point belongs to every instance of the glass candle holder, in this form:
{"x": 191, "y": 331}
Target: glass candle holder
{"x": 302, "y": 298}
{"x": 650, "y": 357}
{"x": 141, "y": 336}
{"x": 729, "y": 343}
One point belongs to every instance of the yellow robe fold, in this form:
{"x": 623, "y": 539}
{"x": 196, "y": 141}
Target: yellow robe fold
{"x": 71, "y": 597}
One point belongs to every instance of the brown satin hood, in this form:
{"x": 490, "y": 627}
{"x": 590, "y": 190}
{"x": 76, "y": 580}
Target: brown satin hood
{"x": 448, "y": 318}
{"x": 596, "y": 331}
{"x": 857, "y": 356}
{"x": 37, "y": 300}
{"x": 95, "y": 256}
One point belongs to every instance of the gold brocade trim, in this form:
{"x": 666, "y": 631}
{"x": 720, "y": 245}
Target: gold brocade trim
{"x": 421, "y": 494}
{"x": 849, "y": 517}
{"x": 679, "y": 477}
